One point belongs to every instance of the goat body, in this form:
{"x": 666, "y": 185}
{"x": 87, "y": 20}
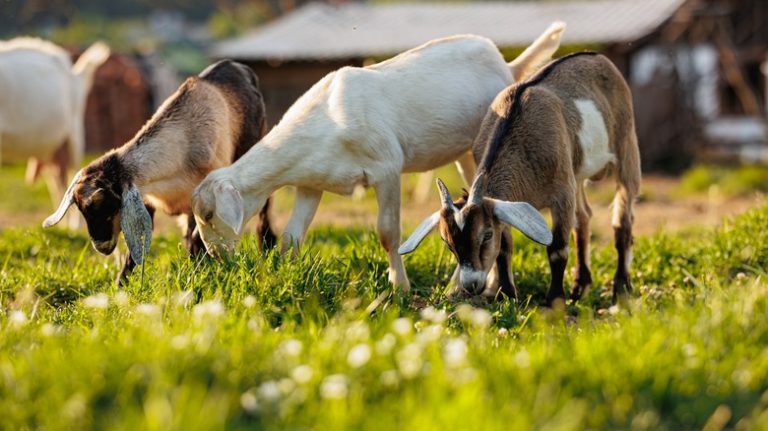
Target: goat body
{"x": 43, "y": 104}
{"x": 538, "y": 144}
{"x": 209, "y": 122}
{"x": 365, "y": 126}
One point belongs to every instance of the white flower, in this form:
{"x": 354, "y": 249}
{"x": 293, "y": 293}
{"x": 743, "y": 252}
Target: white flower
{"x": 359, "y": 355}
{"x": 334, "y": 386}
{"x": 286, "y": 385}
{"x": 269, "y": 391}
{"x": 503, "y": 332}
{"x": 433, "y": 315}
{"x": 249, "y": 402}
{"x": 358, "y": 331}
{"x": 184, "y": 298}
{"x": 98, "y": 301}
{"x": 522, "y": 359}
{"x": 402, "y": 326}
{"x": 455, "y": 352}
{"x": 208, "y": 310}
{"x": 429, "y": 334}
{"x": 249, "y": 301}
{"x": 179, "y": 342}
{"x": 476, "y": 317}
{"x": 385, "y": 345}
{"x": 302, "y": 374}
{"x": 147, "y": 309}
{"x": 17, "y": 318}
{"x": 49, "y": 329}
{"x": 291, "y": 348}
{"x": 121, "y": 299}
{"x": 409, "y": 360}
{"x": 389, "y": 378}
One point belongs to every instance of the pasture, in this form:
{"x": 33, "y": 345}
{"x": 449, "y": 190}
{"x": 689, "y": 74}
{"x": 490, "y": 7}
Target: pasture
{"x": 320, "y": 341}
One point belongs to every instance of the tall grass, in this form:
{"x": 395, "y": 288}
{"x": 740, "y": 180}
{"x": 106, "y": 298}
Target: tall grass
{"x": 320, "y": 341}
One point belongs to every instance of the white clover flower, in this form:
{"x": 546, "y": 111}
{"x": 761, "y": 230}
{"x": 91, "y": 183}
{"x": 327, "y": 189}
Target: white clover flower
{"x": 455, "y": 352}
{"x": 148, "y": 309}
{"x": 249, "y": 301}
{"x": 121, "y": 299}
{"x": 503, "y": 332}
{"x": 402, "y": 326}
{"x": 286, "y": 385}
{"x": 385, "y": 345}
{"x": 464, "y": 312}
{"x": 269, "y": 391}
{"x": 613, "y": 310}
{"x": 249, "y": 402}
{"x": 183, "y": 299}
{"x": 17, "y": 318}
{"x": 433, "y": 315}
{"x": 480, "y": 318}
{"x": 210, "y": 309}
{"x": 49, "y": 329}
{"x": 98, "y": 301}
{"x": 358, "y": 331}
{"x": 522, "y": 359}
{"x": 359, "y": 355}
{"x": 389, "y": 378}
{"x": 429, "y": 334}
{"x": 302, "y": 374}
{"x": 291, "y": 348}
{"x": 409, "y": 360}
{"x": 335, "y": 387}
{"x": 180, "y": 342}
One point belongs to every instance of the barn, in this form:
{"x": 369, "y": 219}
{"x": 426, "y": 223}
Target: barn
{"x": 694, "y": 65}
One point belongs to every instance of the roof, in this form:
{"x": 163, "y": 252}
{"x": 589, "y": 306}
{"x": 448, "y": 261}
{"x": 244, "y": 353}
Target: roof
{"x": 354, "y": 30}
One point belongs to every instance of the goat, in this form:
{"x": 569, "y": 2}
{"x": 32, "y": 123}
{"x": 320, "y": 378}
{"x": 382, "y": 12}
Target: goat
{"x": 365, "y": 126}
{"x": 539, "y": 143}
{"x": 43, "y": 105}
{"x": 209, "y": 122}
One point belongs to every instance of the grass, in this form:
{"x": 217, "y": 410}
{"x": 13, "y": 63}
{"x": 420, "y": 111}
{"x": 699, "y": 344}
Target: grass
{"x": 730, "y": 181}
{"x": 319, "y": 341}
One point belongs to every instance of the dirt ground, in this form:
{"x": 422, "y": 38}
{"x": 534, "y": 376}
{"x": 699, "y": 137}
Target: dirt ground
{"x": 659, "y": 207}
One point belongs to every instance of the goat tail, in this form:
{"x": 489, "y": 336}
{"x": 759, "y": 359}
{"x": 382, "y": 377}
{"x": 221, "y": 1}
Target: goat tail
{"x": 89, "y": 61}
{"x": 538, "y": 53}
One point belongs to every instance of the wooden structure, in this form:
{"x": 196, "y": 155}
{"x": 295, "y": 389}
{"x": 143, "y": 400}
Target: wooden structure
{"x": 693, "y": 65}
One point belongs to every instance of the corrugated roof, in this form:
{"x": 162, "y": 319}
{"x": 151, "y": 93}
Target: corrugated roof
{"x": 322, "y": 31}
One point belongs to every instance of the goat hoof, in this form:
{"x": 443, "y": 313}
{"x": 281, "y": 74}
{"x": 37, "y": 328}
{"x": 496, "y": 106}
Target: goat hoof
{"x": 621, "y": 290}
{"x": 578, "y": 290}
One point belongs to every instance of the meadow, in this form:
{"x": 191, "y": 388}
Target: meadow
{"x": 320, "y": 340}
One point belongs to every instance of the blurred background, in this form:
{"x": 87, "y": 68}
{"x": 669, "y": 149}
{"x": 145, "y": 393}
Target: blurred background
{"x": 698, "y": 70}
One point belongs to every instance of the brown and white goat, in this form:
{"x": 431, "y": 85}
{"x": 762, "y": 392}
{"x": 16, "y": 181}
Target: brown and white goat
{"x": 208, "y": 123}
{"x": 540, "y": 141}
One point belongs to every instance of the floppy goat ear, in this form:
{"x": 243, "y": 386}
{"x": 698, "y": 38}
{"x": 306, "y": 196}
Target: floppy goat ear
{"x": 525, "y": 218}
{"x": 418, "y": 235}
{"x": 229, "y": 207}
{"x": 66, "y": 202}
{"x": 136, "y": 224}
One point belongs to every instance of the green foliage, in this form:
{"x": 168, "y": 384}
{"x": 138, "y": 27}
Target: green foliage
{"x": 320, "y": 341}
{"x": 731, "y": 181}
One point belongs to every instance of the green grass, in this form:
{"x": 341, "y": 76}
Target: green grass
{"x": 730, "y": 181}
{"x": 271, "y": 342}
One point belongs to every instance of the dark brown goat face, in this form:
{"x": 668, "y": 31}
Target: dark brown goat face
{"x": 473, "y": 235}
{"x": 98, "y": 199}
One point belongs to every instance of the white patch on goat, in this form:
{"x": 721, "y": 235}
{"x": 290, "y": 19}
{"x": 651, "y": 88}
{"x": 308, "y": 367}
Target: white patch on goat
{"x": 470, "y": 276}
{"x": 459, "y": 217}
{"x": 593, "y": 139}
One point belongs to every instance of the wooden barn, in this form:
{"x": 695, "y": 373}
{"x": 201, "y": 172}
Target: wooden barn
{"x": 694, "y": 65}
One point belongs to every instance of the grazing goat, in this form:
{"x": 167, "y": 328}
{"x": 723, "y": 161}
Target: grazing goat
{"x": 365, "y": 126}
{"x": 42, "y": 105}
{"x": 209, "y": 122}
{"x": 540, "y": 141}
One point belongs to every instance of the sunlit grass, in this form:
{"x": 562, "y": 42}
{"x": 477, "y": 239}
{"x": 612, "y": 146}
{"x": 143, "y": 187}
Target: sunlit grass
{"x": 319, "y": 341}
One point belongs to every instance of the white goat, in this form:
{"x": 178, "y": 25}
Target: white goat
{"x": 365, "y": 126}
{"x": 540, "y": 141}
{"x": 42, "y": 104}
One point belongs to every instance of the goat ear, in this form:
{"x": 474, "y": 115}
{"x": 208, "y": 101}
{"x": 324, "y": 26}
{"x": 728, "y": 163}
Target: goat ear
{"x": 525, "y": 218}
{"x": 66, "y": 202}
{"x": 136, "y": 224}
{"x": 418, "y": 235}
{"x": 538, "y": 53}
{"x": 229, "y": 207}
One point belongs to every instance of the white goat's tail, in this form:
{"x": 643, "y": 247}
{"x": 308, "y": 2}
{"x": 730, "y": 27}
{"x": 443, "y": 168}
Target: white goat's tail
{"x": 538, "y": 53}
{"x": 89, "y": 61}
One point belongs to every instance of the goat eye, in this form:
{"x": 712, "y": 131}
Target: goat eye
{"x": 487, "y": 236}
{"x": 208, "y": 216}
